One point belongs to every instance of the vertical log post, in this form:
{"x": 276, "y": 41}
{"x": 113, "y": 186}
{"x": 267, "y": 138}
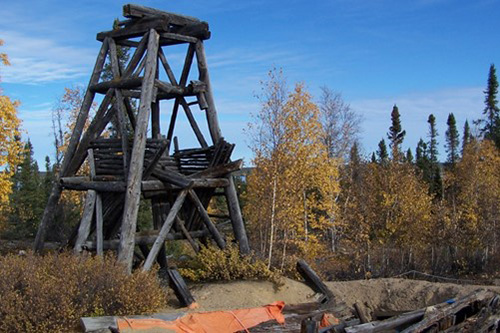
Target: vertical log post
{"x": 235, "y": 214}
{"x": 55, "y": 194}
{"x": 98, "y": 207}
{"x": 213, "y": 122}
{"x": 133, "y": 192}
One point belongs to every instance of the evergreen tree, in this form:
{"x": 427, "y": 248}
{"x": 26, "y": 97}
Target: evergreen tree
{"x": 422, "y": 159}
{"x": 491, "y": 128}
{"x": 373, "y": 158}
{"x": 382, "y": 154}
{"x": 467, "y": 137}
{"x": 435, "y": 181}
{"x": 452, "y": 140}
{"x": 27, "y": 199}
{"x": 409, "y": 156}
{"x": 396, "y": 134}
{"x": 433, "y": 144}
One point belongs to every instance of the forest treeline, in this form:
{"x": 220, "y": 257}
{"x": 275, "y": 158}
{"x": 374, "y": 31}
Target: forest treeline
{"x": 311, "y": 192}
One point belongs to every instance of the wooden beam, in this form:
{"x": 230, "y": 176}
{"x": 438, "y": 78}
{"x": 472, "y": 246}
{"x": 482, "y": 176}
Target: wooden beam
{"x": 219, "y": 170}
{"x": 55, "y": 194}
{"x": 313, "y": 280}
{"x": 165, "y": 229}
{"x": 178, "y": 37}
{"x": 137, "y": 56}
{"x": 219, "y": 240}
{"x": 132, "y": 195}
{"x": 136, "y": 29}
{"x": 233, "y": 205}
{"x": 193, "y": 123}
{"x": 98, "y": 206}
{"x": 84, "y": 228}
{"x": 124, "y": 83}
{"x": 211, "y": 112}
{"x": 121, "y": 109}
{"x": 137, "y": 11}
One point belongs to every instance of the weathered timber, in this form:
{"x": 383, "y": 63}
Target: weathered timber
{"x": 390, "y": 324}
{"x": 86, "y": 220}
{"x": 211, "y": 112}
{"x": 193, "y": 123}
{"x": 101, "y": 119}
{"x": 55, "y": 194}
{"x": 362, "y": 313}
{"x": 136, "y": 29}
{"x": 127, "y": 83}
{"x": 137, "y": 56}
{"x": 167, "y": 224}
{"x": 219, "y": 240}
{"x": 312, "y": 280}
{"x": 234, "y": 211}
{"x": 137, "y": 11}
{"x": 132, "y": 196}
{"x": 186, "y": 234}
{"x": 469, "y": 305}
{"x": 151, "y": 165}
{"x": 219, "y": 170}
{"x": 122, "y": 111}
{"x": 178, "y": 37}
{"x": 180, "y": 288}
{"x": 98, "y": 206}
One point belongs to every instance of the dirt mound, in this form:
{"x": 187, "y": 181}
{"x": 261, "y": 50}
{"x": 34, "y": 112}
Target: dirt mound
{"x": 378, "y": 294}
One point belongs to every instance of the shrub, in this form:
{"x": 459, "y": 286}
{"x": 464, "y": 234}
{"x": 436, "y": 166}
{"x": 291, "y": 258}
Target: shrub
{"x": 213, "y": 264}
{"x": 51, "y": 293}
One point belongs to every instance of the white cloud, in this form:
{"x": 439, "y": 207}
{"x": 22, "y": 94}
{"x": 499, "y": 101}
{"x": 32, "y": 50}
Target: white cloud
{"x": 42, "y": 60}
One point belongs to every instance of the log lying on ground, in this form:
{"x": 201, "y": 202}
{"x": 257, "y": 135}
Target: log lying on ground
{"x": 313, "y": 280}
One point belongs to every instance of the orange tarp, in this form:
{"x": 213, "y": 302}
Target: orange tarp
{"x": 207, "y": 322}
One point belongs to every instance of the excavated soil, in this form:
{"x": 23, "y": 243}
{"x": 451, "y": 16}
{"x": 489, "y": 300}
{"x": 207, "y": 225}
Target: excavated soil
{"x": 389, "y": 294}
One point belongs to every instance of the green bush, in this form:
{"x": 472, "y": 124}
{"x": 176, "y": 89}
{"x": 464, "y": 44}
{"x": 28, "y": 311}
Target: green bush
{"x": 51, "y": 293}
{"x": 213, "y": 264}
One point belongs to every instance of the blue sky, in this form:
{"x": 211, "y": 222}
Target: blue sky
{"x": 427, "y": 56}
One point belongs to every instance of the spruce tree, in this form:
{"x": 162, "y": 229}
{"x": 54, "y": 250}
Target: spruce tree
{"x": 422, "y": 159}
{"x": 409, "y": 156}
{"x": 435, "y": 181}
{"x": 382, "y": 154}
{"x": 491, "y": 128}
{"x": 27, "y": 199}
{"x": 452, "y": 140}
{"x": 467, "y": 137}
{"x": 374, "y": 158}
{"x": 396, "y": 134}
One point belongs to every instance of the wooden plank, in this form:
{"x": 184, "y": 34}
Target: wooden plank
{"x": 211, "y": 112}
{"x": 166, "y": 66}
{"x": 219, "y": 240}
{"x": 55, "y": 194}
{"x": 233, "y": 205}
{"x": 167, "y": 224}
{"x": 132, "y": 195}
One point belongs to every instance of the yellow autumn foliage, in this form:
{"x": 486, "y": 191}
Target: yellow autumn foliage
{"x": 291, "y": 192}
{"x": 11, "y": 147}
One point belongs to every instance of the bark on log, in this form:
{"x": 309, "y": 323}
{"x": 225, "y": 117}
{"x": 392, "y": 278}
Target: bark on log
{"x": 132, "y": 196}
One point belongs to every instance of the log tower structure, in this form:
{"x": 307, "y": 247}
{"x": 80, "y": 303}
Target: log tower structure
{"x": 141, "y": 159}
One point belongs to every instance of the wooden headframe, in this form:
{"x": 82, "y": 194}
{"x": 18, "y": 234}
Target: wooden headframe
{"x": 136, "y": 162}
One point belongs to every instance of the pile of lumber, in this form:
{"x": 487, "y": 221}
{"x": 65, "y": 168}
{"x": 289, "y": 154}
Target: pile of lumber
{"x": 476, "y": 312}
